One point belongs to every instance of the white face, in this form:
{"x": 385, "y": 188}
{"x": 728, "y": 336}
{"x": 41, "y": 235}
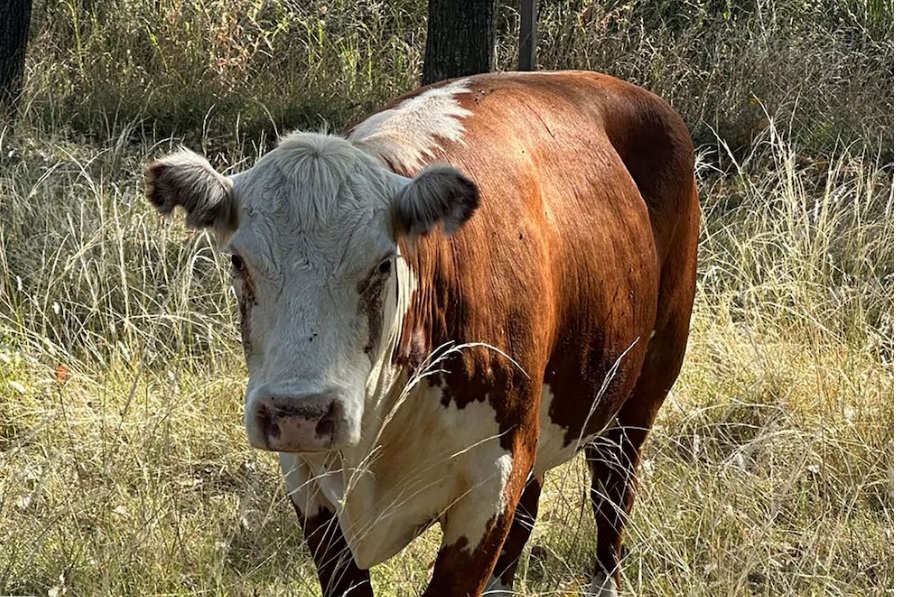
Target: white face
{"x": 312, "y": 232}
{"x": 312, "y": 263}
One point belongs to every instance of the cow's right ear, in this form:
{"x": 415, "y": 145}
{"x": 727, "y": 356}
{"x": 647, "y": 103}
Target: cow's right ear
{"x": 187, "y": 179}
{"x": 439, "y": 194}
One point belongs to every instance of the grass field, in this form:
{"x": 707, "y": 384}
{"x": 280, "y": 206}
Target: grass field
{"x": 124, "y": 468}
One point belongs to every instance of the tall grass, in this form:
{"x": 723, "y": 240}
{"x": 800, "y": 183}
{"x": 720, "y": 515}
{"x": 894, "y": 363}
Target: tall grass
{"x": 207, "y": 70}
{"x": 124, "y": 469}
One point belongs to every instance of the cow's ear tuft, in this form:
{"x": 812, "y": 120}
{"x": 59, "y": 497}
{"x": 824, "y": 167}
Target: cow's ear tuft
{"x": 440, "y": 194}
{"x": 186, "y": 179}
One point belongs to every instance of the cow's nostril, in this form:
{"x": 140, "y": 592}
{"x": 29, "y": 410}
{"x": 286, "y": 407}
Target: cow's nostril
{"x": 267, "y": 423}
{"x": 326, "y": 426}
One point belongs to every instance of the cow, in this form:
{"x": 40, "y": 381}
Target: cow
{"x": 455, "y": 295}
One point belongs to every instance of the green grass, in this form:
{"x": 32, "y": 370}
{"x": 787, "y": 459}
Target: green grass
{"x": 128, "y": 473}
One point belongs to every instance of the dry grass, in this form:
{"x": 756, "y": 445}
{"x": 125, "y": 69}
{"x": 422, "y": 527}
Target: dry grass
{"x": 124, "y": 469}
{"x": 214, "y": 71}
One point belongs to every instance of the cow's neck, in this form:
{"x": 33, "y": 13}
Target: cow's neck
{"x": 366, "y": 482}
{"x": 409, "y": 352}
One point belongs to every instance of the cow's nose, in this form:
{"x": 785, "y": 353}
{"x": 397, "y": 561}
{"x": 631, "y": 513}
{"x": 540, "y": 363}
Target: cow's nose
{"x": 294, "y": 423}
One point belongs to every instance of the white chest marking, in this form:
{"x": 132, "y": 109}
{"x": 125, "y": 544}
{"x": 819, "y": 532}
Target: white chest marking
{"x": 427, "y": 460}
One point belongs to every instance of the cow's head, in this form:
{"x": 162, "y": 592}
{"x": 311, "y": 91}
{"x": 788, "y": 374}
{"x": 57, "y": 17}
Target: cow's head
{"x": 313, "y": 233}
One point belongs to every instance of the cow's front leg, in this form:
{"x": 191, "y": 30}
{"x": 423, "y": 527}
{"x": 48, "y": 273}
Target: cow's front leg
{"x": 336, "y": 570}
{"x": 475, "y": 526}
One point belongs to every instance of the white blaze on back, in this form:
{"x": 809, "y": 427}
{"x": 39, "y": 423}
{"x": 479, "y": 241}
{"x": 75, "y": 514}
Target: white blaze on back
{"x": 409, "y": 134}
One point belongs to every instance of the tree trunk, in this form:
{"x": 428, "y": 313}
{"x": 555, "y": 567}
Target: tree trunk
{"x": 15, "y": 16}
{"x": 527, "y": 35}
{"x": 460, "y": 39}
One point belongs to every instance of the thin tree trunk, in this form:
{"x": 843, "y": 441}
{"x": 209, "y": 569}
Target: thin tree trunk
{"x": 460, "y": 39}
{"x": 527, "y": 35}
{"x": 15, "y": 16}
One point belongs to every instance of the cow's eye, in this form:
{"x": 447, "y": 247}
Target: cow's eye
{"x": 238, "y": 263}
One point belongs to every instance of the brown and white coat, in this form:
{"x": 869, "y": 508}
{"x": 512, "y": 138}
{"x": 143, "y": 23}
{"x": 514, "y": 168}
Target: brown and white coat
{"x": 425, "y": 341}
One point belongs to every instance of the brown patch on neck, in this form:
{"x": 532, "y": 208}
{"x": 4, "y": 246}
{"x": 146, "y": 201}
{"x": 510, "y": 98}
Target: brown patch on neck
{"x": 451, "y": 308}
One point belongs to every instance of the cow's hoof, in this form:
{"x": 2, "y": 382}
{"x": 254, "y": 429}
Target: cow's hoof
{"x": 496, "y": 587}
{"x": 602, "y": 585}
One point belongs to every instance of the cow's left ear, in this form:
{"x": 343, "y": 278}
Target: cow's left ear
{"x": 439, "y": 194}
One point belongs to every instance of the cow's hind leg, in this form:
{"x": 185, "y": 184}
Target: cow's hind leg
{"x": 336, "y": 570}
{"x": 522, "y": 525}
{"x": 612, "y": 460}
